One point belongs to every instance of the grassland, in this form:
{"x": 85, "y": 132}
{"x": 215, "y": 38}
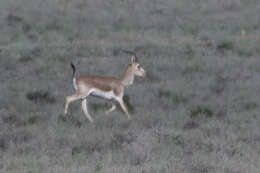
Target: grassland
{"x": 197, "y": 111}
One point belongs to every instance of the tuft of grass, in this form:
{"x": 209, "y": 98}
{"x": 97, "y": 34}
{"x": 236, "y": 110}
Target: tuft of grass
{"x": 77, "y": 150}
{"x": 99, "y": 166}
{"x": 33, "y": 120}
{"x": 12, "y": 19}
{"x": 194, "y": 68}
{"x": 177, "y": 140}
{"x": 231, "y": 5}
{"x": 98, "y": 106}
{"x": 219, "y": 83}
{"x": 26, "y": 59}
{"x": 245, "y": 52}
{"x": 116, "y": 52}
{"x": 225, "y": 45}
{"x": 71, "y": 120}
{"x": 11, "y": 119}
{"x": 88, "y": 149}
{"x": 250, "y": 105}
{"x": 247, "y": 47}
{"x": 178, "y": 99}
{"x": 3, "y": 144}
{"x": 188, "y": 49}
{"x": 26, "y": 27}
{"x": 190, "y": 125}
{"x": 201, "y": 111}
{"x": 40, "y": 96}
{"x": 118, "y": 140}
{"x": 16, "y": 121}
{"x": 30, "y": 55}
{"x": 164, "y": 93}
{"x": 201, "y": 169}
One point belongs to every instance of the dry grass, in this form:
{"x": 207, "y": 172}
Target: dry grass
{"x": 196, "y": 112}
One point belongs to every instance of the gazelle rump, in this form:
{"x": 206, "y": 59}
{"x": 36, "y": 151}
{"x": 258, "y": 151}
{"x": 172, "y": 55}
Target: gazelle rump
{"x": 105, "y": 87}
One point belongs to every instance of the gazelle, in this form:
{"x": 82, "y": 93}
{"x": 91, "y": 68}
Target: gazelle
{"x": 105, "y": 87}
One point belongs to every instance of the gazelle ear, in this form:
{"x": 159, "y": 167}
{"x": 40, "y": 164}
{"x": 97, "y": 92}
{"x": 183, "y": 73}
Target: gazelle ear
{"x": 133, "y": 59}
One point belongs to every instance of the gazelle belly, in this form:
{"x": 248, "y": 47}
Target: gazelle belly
{"x": 104, "y": 94}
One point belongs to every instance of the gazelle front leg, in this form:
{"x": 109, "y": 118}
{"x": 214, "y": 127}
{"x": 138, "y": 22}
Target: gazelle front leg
{"x": 123, "y": 106}
{"x": 85, "y": 110}
{"x": 111, "y": 109}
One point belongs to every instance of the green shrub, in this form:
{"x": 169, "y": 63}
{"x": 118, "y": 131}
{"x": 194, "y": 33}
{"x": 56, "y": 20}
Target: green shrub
{"x": 201, "y": 111}
{"x": 98, "y": 106}
{"x": 175, "y": 97}
{"x": 194, "y": 68}
{"x": 12, "y": 19}
{"x": 11, "y": 119}
{"x": 26, "y": 59}
{"x": 164, "y": 93}
{"x": 225, "y": 45}
{"x": 40, "y": 96}
{"x": 178, "y": 99}
{"x": 190, "y": 125}
{"x": 33, "y": 120}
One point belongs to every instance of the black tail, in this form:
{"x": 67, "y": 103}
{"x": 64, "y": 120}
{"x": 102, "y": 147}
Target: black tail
{"x": 73, "y": 68}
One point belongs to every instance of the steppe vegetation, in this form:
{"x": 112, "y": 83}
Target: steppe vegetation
{"x": 197, "y": 111}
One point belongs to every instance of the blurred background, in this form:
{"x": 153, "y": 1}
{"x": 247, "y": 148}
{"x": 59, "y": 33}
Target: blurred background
{"x": 197, "y": 110}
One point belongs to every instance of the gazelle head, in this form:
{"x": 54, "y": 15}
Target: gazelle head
{"x": 137, "y": 69}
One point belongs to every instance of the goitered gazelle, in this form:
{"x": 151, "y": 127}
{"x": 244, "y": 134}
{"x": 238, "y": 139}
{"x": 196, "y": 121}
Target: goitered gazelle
{"x": 105, "y": 87}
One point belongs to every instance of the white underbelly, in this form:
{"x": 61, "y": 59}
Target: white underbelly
{"x": 104, "y": 94}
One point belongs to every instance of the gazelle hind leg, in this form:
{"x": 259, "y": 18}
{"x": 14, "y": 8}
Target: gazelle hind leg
{"x": 111, "y": 109}
{"x": 85, "y": 109}
{"x": 70, "y": 99}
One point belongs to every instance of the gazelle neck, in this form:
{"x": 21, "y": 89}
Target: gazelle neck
{"x": 128, "y": 77}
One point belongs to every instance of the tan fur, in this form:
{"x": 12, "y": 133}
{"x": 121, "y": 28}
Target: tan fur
{"x": 106, "y": 87}
{"x": 99, "y": 82}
